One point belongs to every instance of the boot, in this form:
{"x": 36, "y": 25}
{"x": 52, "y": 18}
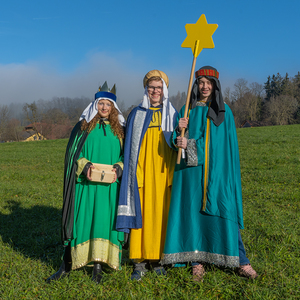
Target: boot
{"x": 139, "y": 271}
{"x": 158, "y": 268}
{"x": 97, "y": 273}
{"x": 65, "y": 267}
{"x": 63, "y": 271}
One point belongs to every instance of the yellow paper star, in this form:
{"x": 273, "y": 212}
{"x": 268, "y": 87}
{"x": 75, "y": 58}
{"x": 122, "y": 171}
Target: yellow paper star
{"x": 202, "y": 32}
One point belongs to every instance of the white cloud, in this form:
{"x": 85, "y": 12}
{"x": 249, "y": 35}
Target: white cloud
{"x": 32, "y": 81}
{"x": 36, "y": 80}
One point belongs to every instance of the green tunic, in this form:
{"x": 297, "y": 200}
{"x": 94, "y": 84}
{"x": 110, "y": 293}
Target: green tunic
{"x": 94, "y": 234}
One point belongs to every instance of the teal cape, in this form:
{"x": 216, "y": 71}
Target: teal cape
{"x": 204, "y": 226}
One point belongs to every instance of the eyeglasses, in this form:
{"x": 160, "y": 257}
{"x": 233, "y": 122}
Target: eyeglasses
{"x": 153, "y": 88}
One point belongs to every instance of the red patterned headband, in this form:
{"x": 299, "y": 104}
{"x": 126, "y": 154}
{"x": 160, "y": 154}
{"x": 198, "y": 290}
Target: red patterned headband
{"x": 207, "y": 72}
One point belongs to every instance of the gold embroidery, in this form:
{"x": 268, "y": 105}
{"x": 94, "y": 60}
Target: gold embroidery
{"x": 81, "y": 163}
{"x": 206, "y": 170}
{"x": 121, "y": 164}
{"x": 99, "y": 250}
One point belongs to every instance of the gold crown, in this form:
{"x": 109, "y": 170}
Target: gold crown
{"x": 104, "y": 88}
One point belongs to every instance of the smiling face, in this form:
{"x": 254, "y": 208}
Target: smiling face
{"x": 104, "y": 108}
{"x": 155, "y": 92}
{"x": 206, "y": 88}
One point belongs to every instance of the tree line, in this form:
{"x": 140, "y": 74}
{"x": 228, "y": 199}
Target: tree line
{"x": 276, "y": 102}
{"x": 51, "y": 118}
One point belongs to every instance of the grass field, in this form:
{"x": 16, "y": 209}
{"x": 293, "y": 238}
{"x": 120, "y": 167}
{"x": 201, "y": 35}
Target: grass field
{"x": 30, "y": 211}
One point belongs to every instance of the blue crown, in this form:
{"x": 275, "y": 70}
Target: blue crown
{"x": 105, "y": 92}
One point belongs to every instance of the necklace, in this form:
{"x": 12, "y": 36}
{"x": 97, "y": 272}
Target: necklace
{"x": 202, "y": 103}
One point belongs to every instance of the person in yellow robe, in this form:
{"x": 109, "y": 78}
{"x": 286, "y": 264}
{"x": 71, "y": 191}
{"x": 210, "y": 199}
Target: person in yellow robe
{"x": 148, "y": 173}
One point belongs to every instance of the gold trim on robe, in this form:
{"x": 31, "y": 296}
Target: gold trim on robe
{"x": 98, "y": 250}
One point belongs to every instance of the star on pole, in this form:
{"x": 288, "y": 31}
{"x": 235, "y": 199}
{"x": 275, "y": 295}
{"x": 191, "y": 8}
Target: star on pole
{"x": 201, "y": 32}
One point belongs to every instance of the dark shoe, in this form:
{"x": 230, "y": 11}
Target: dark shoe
{"x": 97, "y": 273}
{"x": 160, "y": 271}
{"x": 140, "y": 269}
{"x": 247, "y": 271}
{"x": 137, "y": 275}
{"x": 63, "y": 271}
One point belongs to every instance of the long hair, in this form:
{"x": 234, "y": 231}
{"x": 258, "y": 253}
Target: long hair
{"x": 115, "y": 126}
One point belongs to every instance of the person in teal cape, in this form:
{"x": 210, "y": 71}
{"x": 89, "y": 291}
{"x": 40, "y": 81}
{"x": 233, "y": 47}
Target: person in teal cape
{"x": 206, "y": 212}
{"x": 89, "y": 207}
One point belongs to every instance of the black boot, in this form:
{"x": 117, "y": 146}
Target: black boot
{"x": 63, "y": 271}
{"x": 97, "y": 272}
{"x": 65, "y": 267}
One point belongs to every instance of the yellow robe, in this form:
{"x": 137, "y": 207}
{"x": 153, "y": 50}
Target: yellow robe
{"x": 154, "y": 176}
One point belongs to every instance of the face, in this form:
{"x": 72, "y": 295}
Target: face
{"x": 206, "y": 88}
{"x": 155, "y": 92}
{"x": 104, "y": 108}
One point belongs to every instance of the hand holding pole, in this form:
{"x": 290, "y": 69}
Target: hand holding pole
{"x": 199, "y": 36}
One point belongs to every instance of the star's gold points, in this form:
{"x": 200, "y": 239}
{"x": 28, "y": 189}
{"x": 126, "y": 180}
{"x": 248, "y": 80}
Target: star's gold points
{"x": 202, "y": 32}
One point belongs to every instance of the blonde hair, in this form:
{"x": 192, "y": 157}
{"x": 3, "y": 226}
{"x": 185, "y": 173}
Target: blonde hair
{"x": 154, "y": 78}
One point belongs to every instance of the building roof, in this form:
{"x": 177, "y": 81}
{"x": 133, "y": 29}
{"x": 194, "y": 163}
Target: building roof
{"x": 248, "y": 123}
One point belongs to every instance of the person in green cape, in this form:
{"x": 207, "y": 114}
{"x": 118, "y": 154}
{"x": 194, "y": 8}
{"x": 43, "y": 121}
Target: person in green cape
{"x": 206, "y": 212}
{"x": 90, "y": 207}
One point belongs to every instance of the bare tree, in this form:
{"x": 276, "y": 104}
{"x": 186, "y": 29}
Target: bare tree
{"x": 72, "y": 107}
{"x": 227, "y": 96}
{"x": 240, "y": 89}
{"x": 176, "y": 101}
{"x": 4, "y": 117}
{"x": 251, "y": 106}
{"x": 13, "y": 130}
{"x": 247, "y": 107}
{"x": 33, "y": 116}
{"x": 280, "y": 110}
{"x": 257, "y": 89}
{"x": 121, "y": 105}
{"x": 55, "y": 116}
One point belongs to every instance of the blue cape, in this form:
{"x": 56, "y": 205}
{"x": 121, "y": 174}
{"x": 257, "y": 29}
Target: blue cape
{"x": 129, "y": 210}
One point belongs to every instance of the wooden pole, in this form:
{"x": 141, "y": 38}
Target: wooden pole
{"x": 187, "y": 103}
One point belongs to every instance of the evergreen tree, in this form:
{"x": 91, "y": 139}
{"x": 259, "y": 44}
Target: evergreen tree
{"x": 268, "y": 88}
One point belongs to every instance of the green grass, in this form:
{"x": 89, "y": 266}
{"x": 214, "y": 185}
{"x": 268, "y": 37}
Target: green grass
{"x": 31, "y": 182}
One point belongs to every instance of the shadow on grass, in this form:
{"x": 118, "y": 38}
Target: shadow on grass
{"x": 34, "y": 232}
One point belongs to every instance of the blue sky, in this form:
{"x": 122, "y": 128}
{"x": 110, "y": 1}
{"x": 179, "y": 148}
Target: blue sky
{"x": 68, "y": 48}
